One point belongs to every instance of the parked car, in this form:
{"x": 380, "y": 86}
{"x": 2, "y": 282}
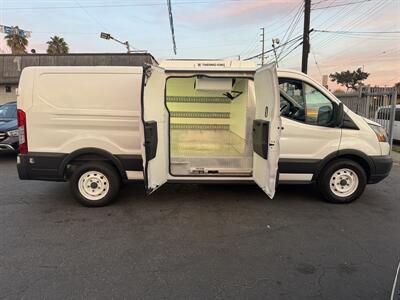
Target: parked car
{"x": 382, "y": 116}
{"x": 192, "y": 121}
{"x": 8, "y": 127}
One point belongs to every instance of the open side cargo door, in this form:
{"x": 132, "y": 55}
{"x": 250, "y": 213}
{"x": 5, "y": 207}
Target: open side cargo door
{"x": 154, "y": 128}
{"x": 266, "y": 129}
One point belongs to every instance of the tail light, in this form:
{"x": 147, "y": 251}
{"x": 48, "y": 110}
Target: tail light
{"x": 23, "y": 139}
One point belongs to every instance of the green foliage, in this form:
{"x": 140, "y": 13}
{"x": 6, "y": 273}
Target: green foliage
{"x": 350, "y": 79}
{"x": 57, "y": 45}
{"x": 17, "y": 43}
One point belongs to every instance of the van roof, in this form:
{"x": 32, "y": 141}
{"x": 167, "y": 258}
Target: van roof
{"x": 213, "y": 65}
{"x": 207, "y": 65}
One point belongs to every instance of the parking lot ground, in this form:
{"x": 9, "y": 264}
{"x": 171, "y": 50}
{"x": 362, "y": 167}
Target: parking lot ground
{"x": 196, "y": 241}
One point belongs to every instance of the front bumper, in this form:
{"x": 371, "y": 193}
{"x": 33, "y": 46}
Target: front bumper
{"x": 382, "y": 166}
{"x": 10, "y": 144}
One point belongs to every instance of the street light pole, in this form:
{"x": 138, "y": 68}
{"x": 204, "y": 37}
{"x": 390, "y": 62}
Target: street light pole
{"x": 108, "y": 36}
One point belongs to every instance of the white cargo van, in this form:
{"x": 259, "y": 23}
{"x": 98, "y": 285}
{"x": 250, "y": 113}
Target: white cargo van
{"x": 192, "y": 121}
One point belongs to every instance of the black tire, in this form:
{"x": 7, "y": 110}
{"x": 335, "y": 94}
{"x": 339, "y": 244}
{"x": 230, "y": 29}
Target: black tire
{"x": 108, "y": 182}
{"x": 324, "y": 181}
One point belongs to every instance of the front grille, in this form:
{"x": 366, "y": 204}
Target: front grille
{"x": 2, "y": 136}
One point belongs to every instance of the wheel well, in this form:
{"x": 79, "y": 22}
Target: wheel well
{"x": 77, "y": 160}
{"x": 358, "y": 159}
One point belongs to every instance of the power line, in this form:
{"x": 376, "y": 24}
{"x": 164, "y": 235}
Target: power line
{"x": 316, "y": 63}
{"x": 297, "y": 46}
{"x": 340, "y": 5}
{"x": 90, "y": 16}
{"x": 354, "y": 32}
{"x": 291, "y": 28}
{"x": 123, "y": 5}
{"x": 268, "y": 51}
{"x": 364, "y": 15}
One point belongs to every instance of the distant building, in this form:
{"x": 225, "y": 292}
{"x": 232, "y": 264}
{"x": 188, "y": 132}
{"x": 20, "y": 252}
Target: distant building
{"x": 12, "y": 65}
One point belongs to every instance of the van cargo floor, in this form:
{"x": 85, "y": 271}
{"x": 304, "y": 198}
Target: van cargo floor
{"x": 216, "y": 151}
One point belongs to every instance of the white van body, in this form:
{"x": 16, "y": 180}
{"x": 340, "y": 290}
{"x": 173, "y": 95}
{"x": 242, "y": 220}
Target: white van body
{"x": 191, "y": 121}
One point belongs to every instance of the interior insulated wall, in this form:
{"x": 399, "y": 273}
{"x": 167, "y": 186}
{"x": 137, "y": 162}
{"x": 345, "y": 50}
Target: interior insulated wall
{"x": 208, "y": 131}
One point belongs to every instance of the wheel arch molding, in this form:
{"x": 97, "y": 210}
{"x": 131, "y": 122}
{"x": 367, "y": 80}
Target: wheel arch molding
{"x": 96, "y": 152}
{"x": 354, "y": 155}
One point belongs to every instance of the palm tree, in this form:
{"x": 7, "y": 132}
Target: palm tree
{"x": 17, "y": 43}
{"x": 57, "y": 45}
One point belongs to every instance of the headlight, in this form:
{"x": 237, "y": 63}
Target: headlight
{"x": 13, "y": 133}
{"x": 380, "y": 132}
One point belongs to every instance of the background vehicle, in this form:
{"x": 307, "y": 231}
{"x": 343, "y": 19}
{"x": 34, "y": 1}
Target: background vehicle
{"x": 192, "y": 121}
{"x": 382, "y": 116}
{"x": 8, "y": 127}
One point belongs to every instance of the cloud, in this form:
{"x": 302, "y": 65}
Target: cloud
{"x": 237, "y": 12}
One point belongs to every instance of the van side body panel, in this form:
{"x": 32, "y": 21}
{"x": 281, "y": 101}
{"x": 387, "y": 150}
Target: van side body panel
{"x": 69, "y": 109}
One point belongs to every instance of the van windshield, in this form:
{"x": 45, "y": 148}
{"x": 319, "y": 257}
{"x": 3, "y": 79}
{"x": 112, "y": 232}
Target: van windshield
{"x": 8, "y": 111}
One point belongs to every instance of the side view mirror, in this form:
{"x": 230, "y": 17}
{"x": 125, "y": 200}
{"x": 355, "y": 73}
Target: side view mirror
{"x": 339, "y": 115}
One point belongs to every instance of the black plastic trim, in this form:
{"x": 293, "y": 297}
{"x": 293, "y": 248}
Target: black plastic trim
{"x": 378, "y": 166}
{"x": 298, "y": 166}
{"x": 261, "y": 137}
{"x": 92, "y": 150}
{"x": 52, "y": 166}
{"x": 383, "y": 166}
{"x": 131, "y": 162}
{"x": 40, "y": 166}
{"x": 348, "y": 123}
{"x": 150, "y": 139}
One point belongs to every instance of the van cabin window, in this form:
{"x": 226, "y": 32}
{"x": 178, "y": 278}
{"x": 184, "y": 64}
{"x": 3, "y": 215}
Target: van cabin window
{"x": 304, "y": 103}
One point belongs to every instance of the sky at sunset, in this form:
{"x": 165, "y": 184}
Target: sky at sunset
{"x": 223, "y": 29}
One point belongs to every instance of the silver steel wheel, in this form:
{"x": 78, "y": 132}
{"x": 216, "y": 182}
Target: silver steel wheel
{"x": 93, "y": 185}
{"x": 344, "y": 182}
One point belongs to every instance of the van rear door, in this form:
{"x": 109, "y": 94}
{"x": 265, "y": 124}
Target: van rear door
{"x": 154, "y": 128}
{"x": 266, "y": 129}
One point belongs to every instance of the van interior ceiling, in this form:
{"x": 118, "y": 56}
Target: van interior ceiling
{"x": 210, "y": 126}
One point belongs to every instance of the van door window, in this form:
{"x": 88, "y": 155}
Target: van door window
{"x": 307, "y": 104}
{"x": 292, "y": 103}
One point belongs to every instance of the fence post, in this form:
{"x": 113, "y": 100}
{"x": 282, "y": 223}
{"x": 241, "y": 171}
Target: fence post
{"x": 368, "y": 101}
{"x": 392, "y": 115}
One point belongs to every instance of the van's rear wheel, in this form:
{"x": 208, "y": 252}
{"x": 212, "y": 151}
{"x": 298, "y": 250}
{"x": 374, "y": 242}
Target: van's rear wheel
{"x": 95, "y": 184}
{"x": 342, "y": 181}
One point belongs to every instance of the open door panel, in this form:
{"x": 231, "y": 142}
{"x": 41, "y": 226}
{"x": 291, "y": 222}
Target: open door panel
{"x": 266, "y": 129}
{"x": 154, "y": 128}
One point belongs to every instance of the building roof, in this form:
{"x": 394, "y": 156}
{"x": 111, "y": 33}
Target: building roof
{"x": 11, "y": 65}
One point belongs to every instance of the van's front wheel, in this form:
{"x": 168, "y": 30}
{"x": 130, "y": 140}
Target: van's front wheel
{"x": 342, "y": 181}
{"x": 95, "y": 184}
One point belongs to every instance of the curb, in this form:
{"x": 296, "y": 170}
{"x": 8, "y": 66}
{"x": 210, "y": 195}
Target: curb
{"x": 396, "y": 157}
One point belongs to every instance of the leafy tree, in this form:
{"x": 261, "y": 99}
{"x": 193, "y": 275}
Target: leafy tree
{"x": 17, "y": 43}
{"x": 57, "y": 45}
{"x": 350, "y": 79}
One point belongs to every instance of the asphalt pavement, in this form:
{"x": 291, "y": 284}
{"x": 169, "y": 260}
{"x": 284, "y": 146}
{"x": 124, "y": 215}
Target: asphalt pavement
{"x": 196, "y": 242}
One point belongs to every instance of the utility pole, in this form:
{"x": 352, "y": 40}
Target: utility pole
{"x": 263, "y": 45}
{"x": 275, "y": 42}
{"x": 306, "y": 36}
